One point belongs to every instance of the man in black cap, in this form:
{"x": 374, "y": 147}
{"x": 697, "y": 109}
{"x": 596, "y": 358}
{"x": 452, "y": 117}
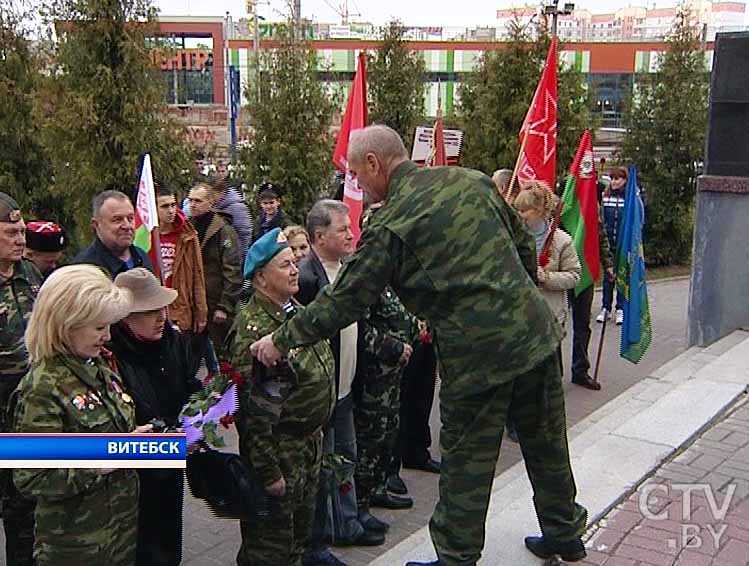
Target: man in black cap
{"x": 19, "y": 285}
{"x": 45, "y": 242}
{"x": 271, "y": 214}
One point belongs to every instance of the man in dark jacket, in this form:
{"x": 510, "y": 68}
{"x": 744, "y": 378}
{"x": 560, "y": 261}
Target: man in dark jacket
{"x": 232, "y": 205}
{"x": 158, "y": 366}
{"x": 113, "y": 222}
{"x": 221, "y": 261}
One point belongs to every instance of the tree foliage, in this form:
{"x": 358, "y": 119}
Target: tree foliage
{"x": 666, "y": 140}
{"x": 395, "y": 77}
{"x": 290, "y": 142}
{"x": 24, "y": 169}
{"x": 495, "y": 99}
{"x": 102, "y": 104}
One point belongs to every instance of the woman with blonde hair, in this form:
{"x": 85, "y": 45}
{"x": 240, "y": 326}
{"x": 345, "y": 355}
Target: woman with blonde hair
{"x": 83, "y": 516}
{"x": 536, "y": 204}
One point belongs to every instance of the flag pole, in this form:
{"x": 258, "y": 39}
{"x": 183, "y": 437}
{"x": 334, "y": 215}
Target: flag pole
{"x": 600, "y": 345}
{"x": 509, "y": 191}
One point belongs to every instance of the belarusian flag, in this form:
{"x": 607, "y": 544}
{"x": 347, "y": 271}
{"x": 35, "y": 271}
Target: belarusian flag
{"x": 147, "y": 216}
{"x": 580, "y": 213}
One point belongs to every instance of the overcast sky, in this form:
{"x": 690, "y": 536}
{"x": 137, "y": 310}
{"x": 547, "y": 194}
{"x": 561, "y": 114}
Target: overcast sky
{"x": 412, "y": 12}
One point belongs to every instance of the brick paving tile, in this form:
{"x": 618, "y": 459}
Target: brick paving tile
{"x": 643, "y": 555}
{"x": 689, "y": 558}
{"x": 657, "y": 545}
{"x": 733, "y": 553}
{"x": 623, "y": 520}
{"x": 620, "y": 561}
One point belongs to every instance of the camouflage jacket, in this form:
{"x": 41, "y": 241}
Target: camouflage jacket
{"x": 294, "y": 398}
{"x": 388, "y": 327}
{"x": 17, "y": 296}
{"x": 66, "y": 394}
{"x": 459, "y": 258}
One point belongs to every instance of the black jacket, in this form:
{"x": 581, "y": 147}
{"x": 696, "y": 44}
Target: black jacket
{"x": 312, "y": 278}
{"x": 160, "y": 376}
{"x": 98, "y": 254}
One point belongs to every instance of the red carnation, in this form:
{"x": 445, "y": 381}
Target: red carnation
{"x": 226, "y": 421}
{"x": 225, "y": 367}
{"x": 236, "y": 378}
{"x": 345, "y": 487}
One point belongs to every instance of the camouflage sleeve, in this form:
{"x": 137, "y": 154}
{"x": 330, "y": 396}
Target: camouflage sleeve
{"x": 357, "y": 286}
{"x": 607, "y": 259}
{"x": 380, "y": 344}
{"x": 523, "y": 241}
{"x": 231, "y": 267}
{"x": 261, "y": 401}
{"x": 39, "y": 411}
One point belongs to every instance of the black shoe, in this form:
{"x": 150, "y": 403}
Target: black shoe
{"x": 367, "y": 538}
{"x": 570, "y": 551}
{"x": 426, "y": 466}
{"x": 372, "y": 523}
{"x": 395, "y": 484}
{"x": 389, "y": 501}
{"x": 586, "y": 381}
{"x": 321, "y": 558}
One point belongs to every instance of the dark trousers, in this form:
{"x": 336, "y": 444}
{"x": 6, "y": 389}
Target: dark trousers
{"x": 580, "y": 307}
{"x": 608, "y": 294}
{"x": 18, "y": 523}
{"x": 417, "y": 396}
{"x": 160, "y": 517}
{"x": 470, "y": 440}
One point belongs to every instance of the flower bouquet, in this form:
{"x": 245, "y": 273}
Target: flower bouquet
{"x": 212, "y": 406}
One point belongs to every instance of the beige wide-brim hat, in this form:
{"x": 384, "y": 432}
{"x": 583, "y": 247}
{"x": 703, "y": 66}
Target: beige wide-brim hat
{"x": 146, "y": 292}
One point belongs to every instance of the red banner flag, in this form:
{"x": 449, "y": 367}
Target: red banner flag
{"x": 354, "y": 119}
{"x": 539, "y": 154}
{"x": 437, "y": 157}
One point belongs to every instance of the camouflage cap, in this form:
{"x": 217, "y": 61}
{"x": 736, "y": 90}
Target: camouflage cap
{"x": 9, "y": 209}
{"x": 264, "y": 250}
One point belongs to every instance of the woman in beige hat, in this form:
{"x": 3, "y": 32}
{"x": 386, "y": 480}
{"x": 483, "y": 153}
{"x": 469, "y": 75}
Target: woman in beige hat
{"x": 159, "y": 367}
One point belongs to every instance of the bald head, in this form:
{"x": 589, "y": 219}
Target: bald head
{"x": 373, "y": 154}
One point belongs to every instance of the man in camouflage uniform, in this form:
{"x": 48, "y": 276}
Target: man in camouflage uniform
{"x": 19, "y": 285}
{"x": 282, "y": 410}
{"x": 461, "y": 259}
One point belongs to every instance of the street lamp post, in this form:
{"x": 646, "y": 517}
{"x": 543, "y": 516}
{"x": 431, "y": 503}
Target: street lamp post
{"x": 552, "y": 9}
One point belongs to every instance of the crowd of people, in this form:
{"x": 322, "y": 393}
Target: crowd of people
{"x": 337, "y": 348}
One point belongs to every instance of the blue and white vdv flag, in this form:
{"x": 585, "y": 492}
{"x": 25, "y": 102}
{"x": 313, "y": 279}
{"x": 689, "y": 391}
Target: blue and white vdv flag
{"x": 73, "y": 450}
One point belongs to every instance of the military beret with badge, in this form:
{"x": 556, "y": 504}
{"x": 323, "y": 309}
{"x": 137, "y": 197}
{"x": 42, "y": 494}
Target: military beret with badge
{"x": 264, "y": 250}
{"x": 9, "y": 209}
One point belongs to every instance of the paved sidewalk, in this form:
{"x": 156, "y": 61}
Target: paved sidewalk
{"x": 694, "y": 511}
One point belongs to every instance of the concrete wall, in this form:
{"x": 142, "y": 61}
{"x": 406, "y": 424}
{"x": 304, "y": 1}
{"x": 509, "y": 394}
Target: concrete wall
{"x": 719, "y": 293}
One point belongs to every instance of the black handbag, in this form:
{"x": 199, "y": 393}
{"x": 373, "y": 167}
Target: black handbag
{"x": 228, "y": 486}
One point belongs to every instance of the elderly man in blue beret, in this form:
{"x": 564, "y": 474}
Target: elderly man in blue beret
{"x": 282, "y": 409}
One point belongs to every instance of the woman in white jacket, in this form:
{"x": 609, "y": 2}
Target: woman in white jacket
{"x": 536, "y": 206}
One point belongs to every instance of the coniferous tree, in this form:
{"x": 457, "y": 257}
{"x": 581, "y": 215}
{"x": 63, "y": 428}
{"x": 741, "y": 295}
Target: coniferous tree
{"x": 666, "y": 139}
{"x": 103, "y": 104}
{"x": 395, "y": 77}
{"x": 24, "y": 169}
{"x": 290, "y": 115}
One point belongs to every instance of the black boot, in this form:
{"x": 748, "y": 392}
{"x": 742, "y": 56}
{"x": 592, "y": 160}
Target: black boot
{"x": 370, "y": 522}
{"x": 570, "y": 551}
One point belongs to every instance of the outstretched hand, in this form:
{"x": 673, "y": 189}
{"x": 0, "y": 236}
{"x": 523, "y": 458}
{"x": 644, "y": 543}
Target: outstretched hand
{"x": 265, "y": 351}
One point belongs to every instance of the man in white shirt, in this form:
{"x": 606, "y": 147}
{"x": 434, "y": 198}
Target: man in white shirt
{"x": 329, "y": 228}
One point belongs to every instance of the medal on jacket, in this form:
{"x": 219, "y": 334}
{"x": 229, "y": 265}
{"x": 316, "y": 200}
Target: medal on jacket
{"x": 115, "y": 386}
{"x": 79, "y": 402}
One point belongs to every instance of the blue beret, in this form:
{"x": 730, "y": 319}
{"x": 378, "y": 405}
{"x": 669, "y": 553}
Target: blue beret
{"x": 264, "y": 250}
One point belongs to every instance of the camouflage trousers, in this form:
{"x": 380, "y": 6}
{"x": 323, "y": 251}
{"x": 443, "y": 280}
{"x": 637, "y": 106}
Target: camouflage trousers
{"x": 97, "y": 527}
{"x": 282, "y": 539}
{"x": 376, "y": 421}
{"x": 470, "y": 440}
{"x": 18, "y": 523}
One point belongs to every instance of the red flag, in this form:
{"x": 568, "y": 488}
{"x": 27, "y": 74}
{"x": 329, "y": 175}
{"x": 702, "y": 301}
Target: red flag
{"x": 354, "y": 119}
{"x": 539, "y": 158}
{"x": 437, "y": 157}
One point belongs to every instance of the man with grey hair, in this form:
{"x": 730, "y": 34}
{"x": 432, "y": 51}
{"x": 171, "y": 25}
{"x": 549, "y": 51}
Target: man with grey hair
{"x": 502, "y": 178}
{"x": 331, "y": 240}
{"x": 113, "y": 221}
{"x": 461, "y": 259}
